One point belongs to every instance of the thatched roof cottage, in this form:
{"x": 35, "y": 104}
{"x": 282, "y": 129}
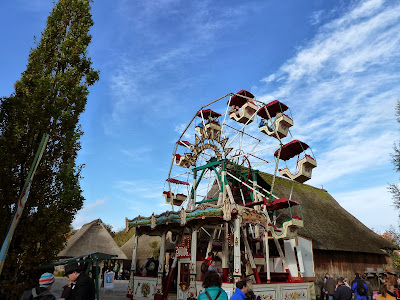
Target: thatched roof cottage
{"x": 92, "y": 237}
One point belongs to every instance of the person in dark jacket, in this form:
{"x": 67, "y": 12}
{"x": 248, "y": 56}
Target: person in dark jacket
{"x": 354, "y": 288}
{"x": 357, "y": 277}
{"x": 152, "y": 267}
{"x": 343, "y": 292}
{"x": 370, "y": 290}
{"x": 83, "y": 286}
{"x": 329, "y": 286}
{"x": 42, "y": 292}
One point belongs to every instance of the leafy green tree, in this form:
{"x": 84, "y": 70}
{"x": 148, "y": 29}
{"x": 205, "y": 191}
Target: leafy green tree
{"x": 156, "y": 249}
{"x": 110, "y": 229}
{"x": 121, "y": 237}
{"x": 393, "y": 236}
{"x": 49, "y": 98}
{"x": 394, "y": 188}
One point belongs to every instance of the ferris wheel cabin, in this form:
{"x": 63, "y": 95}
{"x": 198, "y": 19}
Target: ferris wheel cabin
{"x": 243, "y": 108}
{"x": 282, "y": 122}
{"x": 304, "y": 165}
{"x": 209, "y": 126}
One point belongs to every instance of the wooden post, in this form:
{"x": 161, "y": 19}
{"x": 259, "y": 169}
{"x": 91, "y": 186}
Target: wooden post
{"x": 161, "y": 264}
{"x": 212, "y": 238}
{"x": 281, "y": 255}
{"x": 300, "y": 259}
{"x": 192, "y": 291}
{"x": 266, "y": 247}
{"x": 237, "y": 270}
{"x": 133, "y": 266}
{"x": 225, "y": 254}
{"x": 250, "y": 255}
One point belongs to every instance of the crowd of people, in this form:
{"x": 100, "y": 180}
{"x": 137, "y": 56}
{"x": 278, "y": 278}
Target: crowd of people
{"x": 360, "y": 287}
{"x": 81, "y": 286}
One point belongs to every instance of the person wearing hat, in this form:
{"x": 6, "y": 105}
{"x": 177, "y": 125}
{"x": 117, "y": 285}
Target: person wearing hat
{"x": 82, "y": 287}
{"x": 42, "y": 292}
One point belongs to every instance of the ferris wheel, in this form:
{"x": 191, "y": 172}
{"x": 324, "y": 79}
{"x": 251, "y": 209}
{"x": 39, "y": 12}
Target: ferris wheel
{"x": 218, "y": 156}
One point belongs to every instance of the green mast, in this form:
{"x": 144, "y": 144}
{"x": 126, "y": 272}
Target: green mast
{"x": 19, "y": 207}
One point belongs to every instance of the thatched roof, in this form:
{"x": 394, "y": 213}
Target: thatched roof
{"x": 92, "y": 237}
{"x": 144, "y": 251}
{"x": 143, "y": 248}
{"x": 328, "y": 224}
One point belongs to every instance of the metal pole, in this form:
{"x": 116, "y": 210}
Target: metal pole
{"x": 22, "y": 201}
{"x": 133, "y": 266}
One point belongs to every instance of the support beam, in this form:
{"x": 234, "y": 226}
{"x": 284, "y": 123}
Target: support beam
{"x": 133, "y": 265}
{"x": 161, "y": 266}
{"x": 300, "y": 258}
{"x": 225, "y": 254}
{"x": 281, "y": 255}
{"x": 237, "y": 270}
{"x": 250, "y": 255}
{"x": 192, "y": 291}
{"x": 214, "y": 227}
{"x": 266, "y": 247}
{"x": 210, "y": 241}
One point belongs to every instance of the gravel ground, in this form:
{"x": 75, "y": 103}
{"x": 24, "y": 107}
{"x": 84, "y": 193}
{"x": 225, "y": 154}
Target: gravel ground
{"x": 120, "y": 288}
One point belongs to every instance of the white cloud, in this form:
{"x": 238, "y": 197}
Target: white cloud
{"x": 137, "y": 154}
{"x": 370, "y": 206}
{"x": 352, "y": 157}
{"x": 141, "y": 197}
{"x": 342, "y": 88}
{"x": 85, "y": 215}
{"x": 351, "y": 43}
{"x": 315, "y": 18}
{"x": 132, "y": 80}
{"x": 188, "y": 135}
{"x": 269, "y": 78}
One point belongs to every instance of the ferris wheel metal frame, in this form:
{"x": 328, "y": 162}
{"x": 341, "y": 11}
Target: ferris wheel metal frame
{"x": 223, "y": 142}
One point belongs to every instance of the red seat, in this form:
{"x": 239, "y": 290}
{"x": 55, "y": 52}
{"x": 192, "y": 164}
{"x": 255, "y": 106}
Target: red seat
{"x": 281, "y": 203}
{"x": 168, "y": 193}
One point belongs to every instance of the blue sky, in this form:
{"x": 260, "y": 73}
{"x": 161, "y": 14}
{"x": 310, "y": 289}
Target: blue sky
{"x": 334, "y": 63}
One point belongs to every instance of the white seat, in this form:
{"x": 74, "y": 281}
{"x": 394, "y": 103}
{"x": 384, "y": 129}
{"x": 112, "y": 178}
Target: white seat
{"x": 182, "y": 160}
{"x": 305, "y": 166}
{"x": 245, "y": 114}
{"x": 282, "y": 125}
{"x": 175, "y": 199}
{"x": 211, "y": 130}
{"x": 288, "y": 230}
